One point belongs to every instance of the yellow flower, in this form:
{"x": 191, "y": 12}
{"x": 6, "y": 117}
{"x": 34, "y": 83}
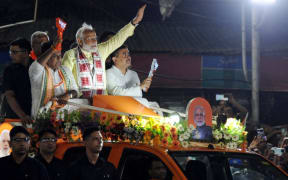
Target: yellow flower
{"x": 133, "y": 122}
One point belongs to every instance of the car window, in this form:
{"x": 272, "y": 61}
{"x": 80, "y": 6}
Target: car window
{"x": 224, "y": 166}
{"x": 253, "y": 168}
{"x": 75, "y": 153}
{"x": 196, "y": 166}
{"x": 141, "y": 165}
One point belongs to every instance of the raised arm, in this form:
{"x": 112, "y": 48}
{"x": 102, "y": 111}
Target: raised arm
{"x": 43, "y": 59}
{"x": 107, "y": 47}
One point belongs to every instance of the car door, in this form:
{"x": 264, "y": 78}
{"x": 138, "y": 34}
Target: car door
{"x": 142, "y": 165}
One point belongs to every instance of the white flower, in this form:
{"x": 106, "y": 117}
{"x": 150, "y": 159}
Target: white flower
{"x": 191, "y": 128}
{"x": 228, "y": 145}
{"x": 187, "y": 134}
{"x": 181, "y": 137}
{"x": 216, "y": 132}
{"x": 197, "y": 135}
{"x": 185, "y": 144}
{"x": 235, "y": 138}
{"x": 231, "y": 145}
{"x": 234, "y": 145}
{"x": 180, "y": 128}
{"x": 227, "y": 136}
{"x": 221, "y": 144}
{"x": 218, "y": 136}
{"x": 67, "y": 124}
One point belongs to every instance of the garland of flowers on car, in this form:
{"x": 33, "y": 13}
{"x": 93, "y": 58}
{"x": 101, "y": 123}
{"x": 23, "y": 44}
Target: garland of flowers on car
{"x": 156, "y": 131}
{"x": 230, "y": 135}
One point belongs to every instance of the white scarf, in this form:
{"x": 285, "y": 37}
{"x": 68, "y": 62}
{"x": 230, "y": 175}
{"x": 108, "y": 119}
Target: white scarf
{"x": 90, "y": 79}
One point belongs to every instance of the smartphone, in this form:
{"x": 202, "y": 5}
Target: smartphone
{"x": 278, "y": 151}
{"x": 221, "y": 97}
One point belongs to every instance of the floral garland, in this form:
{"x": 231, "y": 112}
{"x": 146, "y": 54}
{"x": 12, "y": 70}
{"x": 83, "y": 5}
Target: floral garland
{"x": 230, "y": 135}
{"x": 156, "y": 131}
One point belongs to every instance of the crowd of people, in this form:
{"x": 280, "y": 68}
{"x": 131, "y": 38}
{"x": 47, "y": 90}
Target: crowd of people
{"x": 41, "y": 79}
{"x": 18, "y": 165}
{"x": 273, "y": 144}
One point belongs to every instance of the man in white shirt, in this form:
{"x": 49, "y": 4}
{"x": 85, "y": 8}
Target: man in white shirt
{"x": 50, "y": 81}
{"x": 122, "y": 81}
{"x": 87, "y": 61}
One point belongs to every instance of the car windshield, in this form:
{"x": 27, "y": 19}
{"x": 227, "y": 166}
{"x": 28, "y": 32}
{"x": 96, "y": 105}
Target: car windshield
{"x": 226, "y": 166}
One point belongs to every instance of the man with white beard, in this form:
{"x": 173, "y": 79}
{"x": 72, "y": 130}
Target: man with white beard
{"x": 4, "y": 143}
{"x": 87, "y": 60}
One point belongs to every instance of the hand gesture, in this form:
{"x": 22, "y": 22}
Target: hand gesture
{"x": 145, "y": 85}
{"x": 62, "y": 100}
{"x": 56, "y": 41}
{"x": 139, "y": 15}
{"x": 230, "y": 97}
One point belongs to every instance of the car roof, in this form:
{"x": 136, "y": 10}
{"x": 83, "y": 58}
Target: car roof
{"x": 62, "y": 147}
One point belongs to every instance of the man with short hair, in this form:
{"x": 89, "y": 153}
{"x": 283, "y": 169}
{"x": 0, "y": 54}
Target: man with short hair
{"x": 204, "y": 132}
{"x": 50, "y": 81}
{"x": 121, "y": 81}
{"x": 87, "y": 61}
{"x": 47, "y": 146}
{"x": 18, "y": 165}
{"x": 37, "y": 39}
{"x": 91, "y": 166}
{"x": 16, "y": 82}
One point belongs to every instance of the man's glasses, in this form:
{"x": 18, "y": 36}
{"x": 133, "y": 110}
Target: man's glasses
{"x": 44, "y": 140}
{"x": 15, "y": 51}
{"x": 18, "y": 140}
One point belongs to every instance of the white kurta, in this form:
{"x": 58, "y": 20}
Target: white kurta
{"x": 119, "y": 84}
{"x": 37, "y": 75}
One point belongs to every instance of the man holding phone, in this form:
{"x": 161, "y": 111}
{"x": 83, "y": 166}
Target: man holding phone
{"x": 225, "y": 103}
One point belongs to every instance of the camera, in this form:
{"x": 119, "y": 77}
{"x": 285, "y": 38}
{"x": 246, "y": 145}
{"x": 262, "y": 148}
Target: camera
{"x": 278, "y": 151}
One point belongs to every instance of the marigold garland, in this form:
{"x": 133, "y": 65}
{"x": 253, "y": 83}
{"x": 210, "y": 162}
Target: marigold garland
{"x": 154, "y": 131}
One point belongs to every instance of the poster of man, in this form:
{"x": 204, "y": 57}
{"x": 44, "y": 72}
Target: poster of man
{"x": 5, "y": 139}
{"x": 200, "y": 116}
{"x": 4, "y": 143}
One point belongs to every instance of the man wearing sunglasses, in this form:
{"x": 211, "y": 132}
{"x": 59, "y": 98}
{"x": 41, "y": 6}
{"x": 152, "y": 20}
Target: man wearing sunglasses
{"x": 47, "y": 147}
{"x": 16, "y": 83}
{"x": 18, "y": 165}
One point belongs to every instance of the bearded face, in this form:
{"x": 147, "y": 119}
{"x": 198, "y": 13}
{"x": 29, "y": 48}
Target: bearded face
{"x": 199, "y": 117}
{"x": 89, "y": 41}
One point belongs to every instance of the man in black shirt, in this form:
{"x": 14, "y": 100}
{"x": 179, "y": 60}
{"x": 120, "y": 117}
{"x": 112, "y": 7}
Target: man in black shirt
{"x": 18, "y": 166}
{"x": 47, "y": 147}
{"x": 91, "y": 166}
{"x": 16, "y": 82}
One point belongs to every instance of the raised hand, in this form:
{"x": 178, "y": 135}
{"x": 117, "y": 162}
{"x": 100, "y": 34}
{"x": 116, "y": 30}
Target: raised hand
{"x": 139, "y": 15}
